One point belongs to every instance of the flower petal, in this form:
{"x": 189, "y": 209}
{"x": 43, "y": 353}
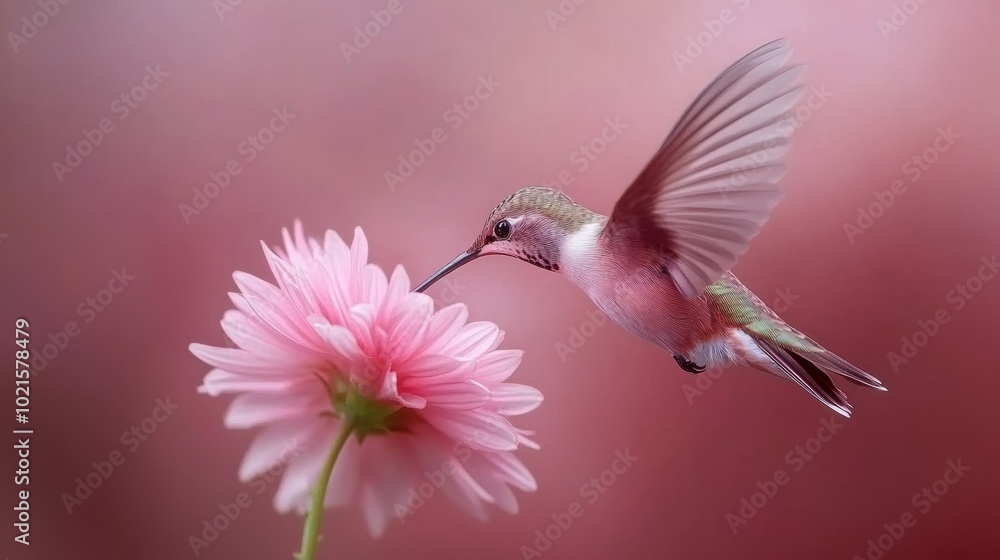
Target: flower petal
{"x": 512, "y": 469}
{"x": 270, "y": 446}
{"x": 253, "y": 409}
{"x": 463, "y": 395}
{"x": 486, "y": 474}
{"x": 512, "y": 399}
{"x": 388, "y": 472}
{"x": 220, "y": 381}
{"x": 359, "y": 258}
{"x": 238, "y": 360}
{"x": 437, "y": 365}
{"x": 408, "y": 332}
{"x": 273, "y": 306}
{"x": 339, "y": 339}
{"x": 477, "y": 429}
{"x": 496, "y": 366}
{"x": 253, "y": 336}
{"x": 389, "y": 391}
{"x": 444, "y": 325}
{"x": 474, "y": 340}
{"x": 300, "y": 475}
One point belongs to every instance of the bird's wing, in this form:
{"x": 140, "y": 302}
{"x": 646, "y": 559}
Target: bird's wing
{"x": 713, "y": 182}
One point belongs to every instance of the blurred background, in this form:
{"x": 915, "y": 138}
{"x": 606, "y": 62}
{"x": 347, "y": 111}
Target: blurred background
{"x": 147, "y": 147}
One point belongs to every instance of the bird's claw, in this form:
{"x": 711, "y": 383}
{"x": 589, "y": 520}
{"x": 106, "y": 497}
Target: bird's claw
{"x": 688, "y": 366}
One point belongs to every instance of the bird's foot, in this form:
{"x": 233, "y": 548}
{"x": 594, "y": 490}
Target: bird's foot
{"x": 687, "y": 365}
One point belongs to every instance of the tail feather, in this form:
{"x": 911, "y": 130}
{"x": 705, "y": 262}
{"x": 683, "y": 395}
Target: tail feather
{"x": 832, "y": 362}
{"x": 776, "y": 347}
{"x": 807, "y": 374}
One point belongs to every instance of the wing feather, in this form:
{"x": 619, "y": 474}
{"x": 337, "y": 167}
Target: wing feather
{"x": 713, "y": 183}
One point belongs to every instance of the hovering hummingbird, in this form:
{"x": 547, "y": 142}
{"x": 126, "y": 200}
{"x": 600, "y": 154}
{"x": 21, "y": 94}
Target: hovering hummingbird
{"x": 659, "y": 266}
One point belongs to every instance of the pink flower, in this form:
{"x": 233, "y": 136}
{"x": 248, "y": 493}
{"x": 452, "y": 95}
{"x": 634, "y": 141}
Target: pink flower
{"x": 431, "y": 389}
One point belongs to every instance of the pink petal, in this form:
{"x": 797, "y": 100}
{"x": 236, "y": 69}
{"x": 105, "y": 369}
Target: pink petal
{"x": 280, "y": 321}
{"x": 524, "y": 439}
{"x": 390, "y": 392}
{"x": 300, "y": 475}
{"x": 474, "y": 340}
{"x": 375, "y": 284}
{"x": 253, "y": 336}
{"x": 270, "y": 446}
{"x": 444, "y": 325}
{"x": 335, "y": 246}
{"x": 377, "y": 512}
{"x": 237, "y": 360}
{"x": 340, "y": 340}
{"x": 512, "y": 399}
{"x": 408, "y": 333}
{"x": 359, "y": 258}
{"x": 388, "y": 475}
{"x": 253, "y": 409}
{"x": 459, "y": 485}
{"x": 496, "y": 366}
{"x": 477, "y": 429}
{"x": 220, "y": 381}
{"x": 463, "y": 395}
{"x": 359, "y": 321}
{"x": 512, "y": 469}
{"x": 437, "y": 365}
{"x": 399, "y": 286}
{"x": 486, "y": 475}
{"x": 292, "y": 283}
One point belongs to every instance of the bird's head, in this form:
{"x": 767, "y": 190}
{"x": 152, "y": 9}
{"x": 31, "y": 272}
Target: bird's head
{"x": 530, "y": 225}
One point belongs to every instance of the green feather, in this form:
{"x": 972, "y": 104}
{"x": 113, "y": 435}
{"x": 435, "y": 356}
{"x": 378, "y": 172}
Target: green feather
{"x": 748, "y": 312}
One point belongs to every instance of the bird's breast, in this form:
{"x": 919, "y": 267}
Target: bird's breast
{"x": 627, "y": 284}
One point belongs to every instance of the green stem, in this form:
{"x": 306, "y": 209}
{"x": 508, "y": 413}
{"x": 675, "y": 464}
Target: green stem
{"x": 314, "y": 517}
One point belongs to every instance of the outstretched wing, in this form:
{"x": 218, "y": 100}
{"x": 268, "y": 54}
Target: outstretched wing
{"x": 713, "y": 182}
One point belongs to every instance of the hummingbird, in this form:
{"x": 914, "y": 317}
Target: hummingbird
{"x": 660, "y": 264}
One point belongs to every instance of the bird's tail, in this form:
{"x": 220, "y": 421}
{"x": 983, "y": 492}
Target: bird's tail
{"x": 805, "y": 364}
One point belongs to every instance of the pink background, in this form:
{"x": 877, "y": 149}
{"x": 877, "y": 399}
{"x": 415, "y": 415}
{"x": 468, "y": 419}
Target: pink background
{"x": 698, "y": 454}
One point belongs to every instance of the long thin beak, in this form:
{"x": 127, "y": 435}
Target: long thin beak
{"x": 446, "y": 269}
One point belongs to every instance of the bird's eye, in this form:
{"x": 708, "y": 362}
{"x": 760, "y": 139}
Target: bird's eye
{"x": 502, "y": 229}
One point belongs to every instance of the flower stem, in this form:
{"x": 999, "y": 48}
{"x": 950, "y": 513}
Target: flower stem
{"x": 314, "y": 517}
